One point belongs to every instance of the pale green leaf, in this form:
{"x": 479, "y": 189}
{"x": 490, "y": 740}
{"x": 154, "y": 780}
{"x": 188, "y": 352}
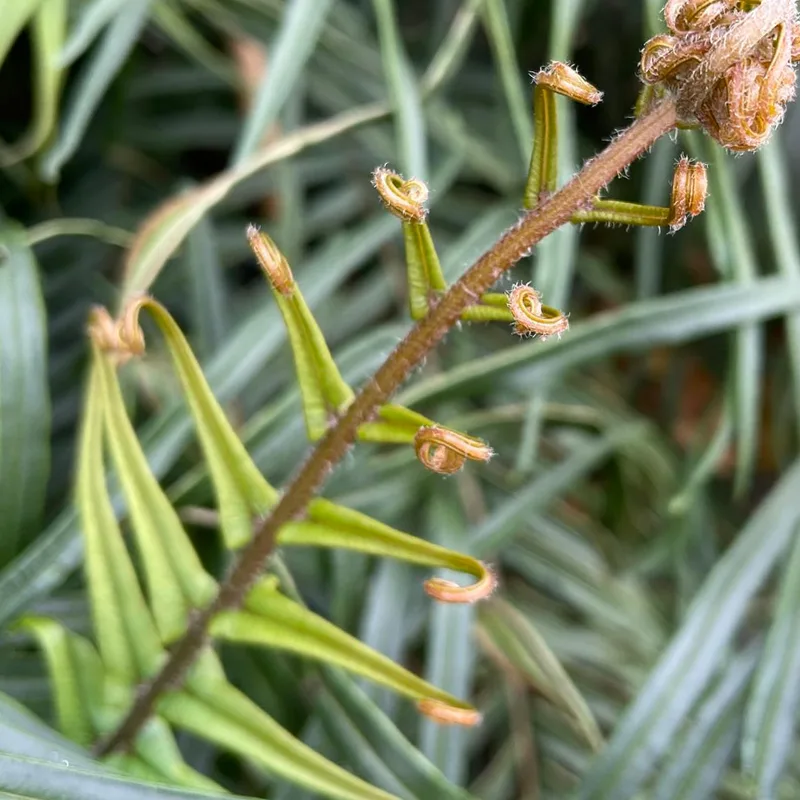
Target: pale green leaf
{"x": 24, "y": 393}
{"x": 271, "y": 619}
{"x": 772, "y": 708}
{"x": 684, "y": 670}
{"x": 227, "y": 717}
{"x": 123, "y": 627}
{"x": 516, "y": 638}
{"x": 176, "y": 580}
{"x": 297, "y": 36}
{"x": 76, "y": 673}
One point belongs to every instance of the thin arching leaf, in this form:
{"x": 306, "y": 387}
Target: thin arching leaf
{"x": 271, "y": 619}
{"x": 176, "y": 580}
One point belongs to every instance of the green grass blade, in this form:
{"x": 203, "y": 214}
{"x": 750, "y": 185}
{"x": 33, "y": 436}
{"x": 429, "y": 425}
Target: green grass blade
{"x": 518, "y": 640}
{"x": 390, "y": 747}
{"x": 684, "y": 670}
{"x": 450, "y": 655}
{"x": 45, "y": 780}
{"x": 774, "y": 173}
{"x": 772, "y": 709}
{"x": 24, "y": 393}
{"x": 207, "y": 288}
{"x": 93, "y": 17}
{"x": 96, "y": 76}
{"x": 697, "y": 767}
{"x": 498, "y": 30}
{"x": 749, "y": 339}
{"x": 404, "y": 94}
{"x": 296, "y": 38}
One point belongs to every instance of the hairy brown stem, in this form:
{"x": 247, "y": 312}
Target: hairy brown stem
{"x": 507, "y": 251}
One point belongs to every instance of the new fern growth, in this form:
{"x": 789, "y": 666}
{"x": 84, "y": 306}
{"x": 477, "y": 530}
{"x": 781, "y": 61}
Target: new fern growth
{"x": 724, "y": 66}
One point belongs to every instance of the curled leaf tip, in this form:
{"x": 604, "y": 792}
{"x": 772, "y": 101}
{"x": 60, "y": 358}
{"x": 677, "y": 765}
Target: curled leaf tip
{"x": 272, "y": 262}
{"x": 531, "y": 318}
{"x": 689, "y": 192}
{"x": 450, "y": 592}
{"x": 566, "y": 80}
{"x": 404, "y": 198}
{"x": 121, "y": 339}
{"x": 444, "y": 451}
{"x": 445, "y": 714}
{"x": 742, "y": 104}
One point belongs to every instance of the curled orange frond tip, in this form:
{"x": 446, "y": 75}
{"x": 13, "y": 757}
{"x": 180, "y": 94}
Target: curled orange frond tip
{"x": 450, "y": 592}
{"x": 445, "y": 451}
{"x": 445, "y": 714}
{"x": 404, "y": 198}
{"x": 531, "y": 318}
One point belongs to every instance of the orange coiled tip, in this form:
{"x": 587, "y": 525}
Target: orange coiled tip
{"x": 450, "y": 592}
{"x": 404, "y": 198}
{"x": 121, "y": 339}
{"x": 444, "y": 451}
{"x": 531, "y": 318}
{"x": 449, "y": 715}
{"x": 689, "y": 192}
{"x": 272, "y": 262}
{"x": 566, "y": 80}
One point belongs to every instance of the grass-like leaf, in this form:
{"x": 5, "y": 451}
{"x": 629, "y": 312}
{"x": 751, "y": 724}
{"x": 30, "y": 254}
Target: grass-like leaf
{"x": 24, "y": 393}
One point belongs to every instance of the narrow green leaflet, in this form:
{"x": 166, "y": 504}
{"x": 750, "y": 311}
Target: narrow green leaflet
{"x": 242, "y": 492}
{"x": 176, "y": 580}
{"x": 322, "y": 387}
{"x": 222, "y": 714}
{"x": 772, "y": 708}
{"x": 271, "y": 619}
{"x": 49, "y": 29}
{"x": 157, "y": 752}
{"x": 423, "y": 268}
{"x": 24, "y": 393}
{"x": 686, "y": 667}
{"x": 330, "y": 525}
{"x": 297, "y": 36}
{"x": 124, "y": 630}
{"x": 76, "y": 673}
{"x": 518, "y": 640}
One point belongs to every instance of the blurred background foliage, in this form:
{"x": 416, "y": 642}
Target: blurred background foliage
{"x": 642, "y": 508}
